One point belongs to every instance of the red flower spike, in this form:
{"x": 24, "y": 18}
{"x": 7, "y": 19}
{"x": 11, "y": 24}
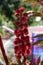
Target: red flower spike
{"x": 18, "y": 33}
{"x": 24, "y": 47}
{"x": 21, "y": 9}
{"x": 16, "y": 23}
{"x": 17, "y": 41}
{"x": 23, "y": 19}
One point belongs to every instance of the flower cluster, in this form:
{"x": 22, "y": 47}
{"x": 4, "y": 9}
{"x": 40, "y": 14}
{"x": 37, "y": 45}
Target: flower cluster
{"x": 22, "y": 42}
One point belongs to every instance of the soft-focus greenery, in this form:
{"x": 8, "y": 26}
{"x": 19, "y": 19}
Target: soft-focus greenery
{"x": 7, "y": 10}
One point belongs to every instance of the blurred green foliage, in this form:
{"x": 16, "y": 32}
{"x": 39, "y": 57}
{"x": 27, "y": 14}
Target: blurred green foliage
{"x": 7, "y": 10}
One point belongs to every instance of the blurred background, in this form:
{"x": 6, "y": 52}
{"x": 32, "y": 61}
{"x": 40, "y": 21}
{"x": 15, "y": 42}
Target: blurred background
{"x": 7, "y": 19}
{"x": 7, "y": 10}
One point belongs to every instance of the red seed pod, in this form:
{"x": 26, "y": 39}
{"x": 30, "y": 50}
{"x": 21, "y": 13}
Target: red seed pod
{"x": 24, "y": 26}
{"x": 22, "y": 38}
{"x": 17, "y": 23}
{"x": 21, "y": 9}
{"x": 17, "y": 41}
{"x": 18, "y": 32}
{"x": 18, "y": 57}
{"x": 17, "y": 14}
{"x": 25, "y": 14}
{"x": 23, "y": 19}
{"x": 26, "y": 52}
{"x": 25, "y": 31}
{"x": 29, "y": 46}
{"x": 17, "y": 50}
{"x": 27, "y": 38}
{"x": 26, "y": 46}
{"x": 17, "y": 11}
